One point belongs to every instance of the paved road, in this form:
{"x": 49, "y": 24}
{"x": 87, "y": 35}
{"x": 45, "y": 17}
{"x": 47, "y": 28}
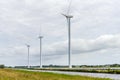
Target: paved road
{"x": 101, "y": 75}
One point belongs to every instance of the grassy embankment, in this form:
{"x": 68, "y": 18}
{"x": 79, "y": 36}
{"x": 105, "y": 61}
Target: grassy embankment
{"x": 110, "y": 71}
{"x": 8, "y": 74}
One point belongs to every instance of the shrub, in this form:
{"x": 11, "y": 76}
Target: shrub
{"x": 2, "y": 66}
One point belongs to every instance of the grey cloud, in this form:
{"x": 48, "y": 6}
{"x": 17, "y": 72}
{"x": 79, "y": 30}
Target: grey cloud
{"x": 105, "y": 44}
{"x": 86, "y": 46}
{"x": 94, "y": 27}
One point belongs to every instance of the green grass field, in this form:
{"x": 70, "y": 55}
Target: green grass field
{"x": 8, "y": 74}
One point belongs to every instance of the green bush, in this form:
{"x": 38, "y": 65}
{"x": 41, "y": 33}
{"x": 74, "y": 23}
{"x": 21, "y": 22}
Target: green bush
{"x": 2, "y": 66}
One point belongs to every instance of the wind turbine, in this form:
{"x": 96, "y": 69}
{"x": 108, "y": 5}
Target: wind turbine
{"x": 68, "y": 17}
{"x": 28, "y": 46}
{"x": 40, "y": 38}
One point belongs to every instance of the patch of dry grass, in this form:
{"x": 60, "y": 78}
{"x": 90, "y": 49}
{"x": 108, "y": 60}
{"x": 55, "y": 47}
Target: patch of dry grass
{"x": 8, "y": 74}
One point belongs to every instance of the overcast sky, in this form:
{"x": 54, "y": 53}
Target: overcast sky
{"x": 95, "y": 31}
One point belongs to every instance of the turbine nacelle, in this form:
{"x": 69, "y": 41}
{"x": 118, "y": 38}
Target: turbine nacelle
{"x": 40, "y": 37}
{"x": 67, "y": 16}
{"x": 27, "y": 45}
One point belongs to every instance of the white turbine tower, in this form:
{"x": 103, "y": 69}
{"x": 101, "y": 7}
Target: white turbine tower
{"x": 68, "y": 17}
{"x": 28, "y": 46}
{"x": 40, "y": 38}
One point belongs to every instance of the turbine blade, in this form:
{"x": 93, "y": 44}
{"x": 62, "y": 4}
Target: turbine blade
{"x": 69, "y": 7}
{"x": 64, "y": 15}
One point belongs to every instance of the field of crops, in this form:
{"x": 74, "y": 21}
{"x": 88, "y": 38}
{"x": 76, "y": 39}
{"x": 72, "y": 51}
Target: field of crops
{"x": 8, "y": 74}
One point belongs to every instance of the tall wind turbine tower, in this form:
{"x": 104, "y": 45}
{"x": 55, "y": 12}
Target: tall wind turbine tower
{"x": 68, "y": 17}
{"x": 40, "y": 38}
{"x": 28, "y": 46}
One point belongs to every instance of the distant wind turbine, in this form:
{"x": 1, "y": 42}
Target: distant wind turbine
{"x": 68, "y": 17}
{"x": 40, "y": 37}
{"x": 28, "y": 46}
